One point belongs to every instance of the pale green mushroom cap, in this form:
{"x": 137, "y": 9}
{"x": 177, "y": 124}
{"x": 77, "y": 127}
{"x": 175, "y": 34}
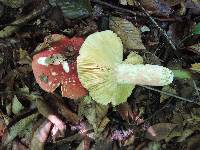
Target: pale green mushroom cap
{"x": 99, "y": 55}
{"x": 108, "y": 79}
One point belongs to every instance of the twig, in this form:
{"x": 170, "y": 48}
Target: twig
{"x": 169, "y": 94}
{"x": 163, "y": 32}
{"x": 10, "y": 29}
{"x": 119, "y": 8}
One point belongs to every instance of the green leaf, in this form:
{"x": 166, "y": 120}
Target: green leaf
{"x": 182, "y": 74}
{"x": 18, "y": 128}
{"x": 16, "y": 106}
{"x": 95, "y": 113}
{"x": 196, "y": 30}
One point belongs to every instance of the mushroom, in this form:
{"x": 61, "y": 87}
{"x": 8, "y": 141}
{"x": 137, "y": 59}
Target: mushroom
{"x": 56, "y": 65}
{"x": 107, "y": 77}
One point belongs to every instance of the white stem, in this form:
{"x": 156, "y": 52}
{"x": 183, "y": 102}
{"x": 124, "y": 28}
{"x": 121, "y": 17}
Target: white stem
{"x": 140, "y": 74}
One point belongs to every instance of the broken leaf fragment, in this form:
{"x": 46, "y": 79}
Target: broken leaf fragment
{"x": 16, "y": 105}
{"x": 196, "y": 30}
{"x": 129, "y": 34}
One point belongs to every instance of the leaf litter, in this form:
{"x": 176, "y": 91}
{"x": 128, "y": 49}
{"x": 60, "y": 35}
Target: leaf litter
{"x": 155, "y": 32}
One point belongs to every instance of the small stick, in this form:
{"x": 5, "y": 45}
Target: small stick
{"x": 169, "y": 94}
{"x": 157, "y": 26}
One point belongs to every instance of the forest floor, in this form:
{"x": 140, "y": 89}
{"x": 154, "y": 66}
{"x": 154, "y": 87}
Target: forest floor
{"x": 162, "y": 32}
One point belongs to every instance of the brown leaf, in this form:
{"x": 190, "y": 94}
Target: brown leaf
{"x": 162, "y": 131}
{"x": 129, "y": 34}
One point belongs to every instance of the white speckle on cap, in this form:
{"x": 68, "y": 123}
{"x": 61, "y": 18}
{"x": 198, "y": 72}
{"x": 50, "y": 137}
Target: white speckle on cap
{"x": 54, "y": 74}
{"x": 65, "y": 66}
{"x": 42, "y": 61}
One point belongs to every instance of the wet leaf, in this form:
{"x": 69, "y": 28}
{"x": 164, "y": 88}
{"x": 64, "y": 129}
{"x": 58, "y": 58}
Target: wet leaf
{"x": 160, "y": 7}
{"x": 16, "y": 105}
{"x": 129, "y": 34}
{"x": 73, "y": 9}
{"x": 153, "y": 146}
{"x": 196, "y": 30}
{"x": 94, "y": 112}
{"x": 13, "y": 3}
{"x": 168, "y": 89}
{"x": 17, "y": 128}
{"x": 195, "y": 48}
{"x": 162, "y": 130}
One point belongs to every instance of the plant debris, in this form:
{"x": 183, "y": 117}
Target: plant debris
{"x": 97, "y": 74}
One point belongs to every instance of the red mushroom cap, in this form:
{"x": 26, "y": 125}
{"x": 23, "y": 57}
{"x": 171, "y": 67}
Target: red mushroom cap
{"x": 48, "y": 66}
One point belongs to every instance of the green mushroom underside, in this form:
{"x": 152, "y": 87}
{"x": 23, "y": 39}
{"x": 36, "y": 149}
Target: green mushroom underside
{"x": 96, "y": 69}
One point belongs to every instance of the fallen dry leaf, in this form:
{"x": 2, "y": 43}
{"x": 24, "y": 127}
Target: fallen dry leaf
{"x": 129, "y": 34}
{"x": 162, "y": 131}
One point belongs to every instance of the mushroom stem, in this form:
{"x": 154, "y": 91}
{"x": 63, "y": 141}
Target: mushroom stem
{"x": 140, "y": 74}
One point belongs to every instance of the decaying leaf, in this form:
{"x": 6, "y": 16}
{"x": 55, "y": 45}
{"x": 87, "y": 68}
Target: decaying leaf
{"x": 195, "y": 48}
{"x": 153, "y": 146}
{"x": 196, "y": 67}
{"x": 127, "y": 2}
{"x": 162, "y": 130}
{"x": 13, "y": 3}
{"x": 168, "y": 89}
{"x": 16, "y": 105}
{"x": 129, "y": 34}
{"x": 17, "y": 128}
{"x": 73, "y": 9}
{"x": 161, "y": 7}
{"x": 95, "y": 113}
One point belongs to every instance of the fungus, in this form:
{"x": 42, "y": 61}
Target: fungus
{"x": 56, "y": 65}
{"x": 107, "y": 77}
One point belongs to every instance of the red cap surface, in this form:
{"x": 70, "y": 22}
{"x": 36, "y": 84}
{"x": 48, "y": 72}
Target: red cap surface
{"x": 49, "y": 75}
